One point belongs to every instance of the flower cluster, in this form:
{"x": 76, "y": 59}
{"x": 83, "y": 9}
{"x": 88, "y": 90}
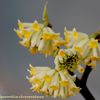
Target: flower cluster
{"x": 57, "y": 83}
{"x": 79, "y": 48}
{"x": 38, "y": 38}
{"x": 73, "y": 36}
{"x": 68, "y": 59}
{"x": 91, "y": 51}
{"x": 87, "y": 46}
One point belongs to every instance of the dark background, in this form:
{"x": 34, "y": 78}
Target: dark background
{"x": 14, "y": 59}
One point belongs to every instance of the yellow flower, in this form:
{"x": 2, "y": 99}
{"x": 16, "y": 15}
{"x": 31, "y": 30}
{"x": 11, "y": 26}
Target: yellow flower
{"x": 66, "y": 31}
{"x": 38, "y": 38}
{"x": 36, "y": 26}
{"x": 95, "y": 53}
{"x": 55, "y": 81}
{"x": 67, "y": 34}
{"x": 19, "y": 33}
{"x": 78, "y": 49}
{"x": 67, "y": 59}
{"x": 91, "y": 52}
{"x": 20, "y": 25}
{"x": 62, "y": 92}
{"x": 47, "y": 78}
{"x": 80, "y": 69}
{"x": 67, "y": 39}
{"x": 88, "y": 61}
{"x": 44, "y": 89}
{"x": 94, "y": 58}
{"x": 52, "y": 82}
{"x": 25, "y": 43}
{"x": 36, "y": 87}
{"x": 56, "y": 93}
{"x": 61, "y": 53}
{"x": 73, "y": 37}
{"x": 54, "y": 87}
{"x": 26, "y": 33}
{"x": 70, "y": 93}
{"x": 36, "y": 81}
{"x": 22, "y": 33}
{"x": 64, "y": 82}
{"x": 81, "y": 47}
{"x": 33, "y": 50}
{"x": 75, "y": 89}
{"x": 33, "y": 79}
{"x": 32, "y": 70}
{"x": 75, "y": 34}
{"x": 49, "y": 36}
{"x": 93, "y": 43}
{"x": 60, "y": 43}
{"x": 25, "y": 36}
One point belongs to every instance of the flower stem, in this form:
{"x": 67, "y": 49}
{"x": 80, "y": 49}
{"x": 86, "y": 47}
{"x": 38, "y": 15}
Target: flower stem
{"x": 82, "y": 84}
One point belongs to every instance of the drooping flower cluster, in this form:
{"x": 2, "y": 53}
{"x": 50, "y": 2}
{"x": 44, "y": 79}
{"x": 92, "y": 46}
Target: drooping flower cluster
{"x": 38, "y": 38}
{"x": 57, "y": 83}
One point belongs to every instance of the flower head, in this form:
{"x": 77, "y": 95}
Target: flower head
{"x": 61, "y": 53}
{"x": 89, "y": 50}
{"x": 48, "y": 38}
{"x": 36, "y": 26}
{"x": 73, "y": 37}
{"x": 26, "y": 31}
{"x": 38, "y": 38}
{"x": 57, "y": 83}
{"x": 67, "y": 59}
{"x": 75, "y": 34}
{"x": 93, "y": 43}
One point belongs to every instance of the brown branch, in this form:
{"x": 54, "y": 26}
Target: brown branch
{"x": 86, "y": 73}
{"x": 84, "y": 90}
{"x": 82, "y": 84}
